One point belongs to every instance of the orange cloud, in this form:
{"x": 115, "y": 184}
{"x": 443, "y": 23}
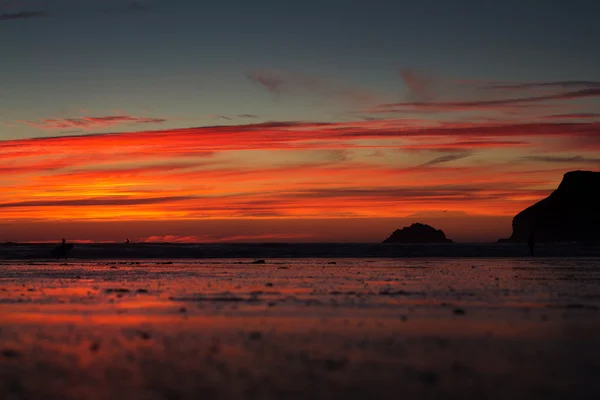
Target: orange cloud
{"x": 289, "y": 170}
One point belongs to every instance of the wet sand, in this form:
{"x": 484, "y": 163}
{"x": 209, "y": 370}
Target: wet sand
{"x": 301, "y": 328}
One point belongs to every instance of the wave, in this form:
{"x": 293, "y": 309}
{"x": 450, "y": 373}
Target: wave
{"x": 295, "y": 250}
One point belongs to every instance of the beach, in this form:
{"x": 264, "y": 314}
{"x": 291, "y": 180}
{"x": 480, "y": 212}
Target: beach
{"x": 494, "y": 328}
{"x": 299, "y": 200}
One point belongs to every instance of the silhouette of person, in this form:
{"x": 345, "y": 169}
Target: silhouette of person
{"x": 62, "y": 249}
{"x": 531, "y": 243}
{"x": 127, "y": 241}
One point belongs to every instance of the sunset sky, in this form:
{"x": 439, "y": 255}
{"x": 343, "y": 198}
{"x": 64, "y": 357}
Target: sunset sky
{"x": 185, "y": 120}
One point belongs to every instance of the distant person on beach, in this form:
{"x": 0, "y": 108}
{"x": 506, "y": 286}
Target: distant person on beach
{"x": 62, "y": 250}
{"x": 127, "y": 241}
{"x": 531, "y": 243}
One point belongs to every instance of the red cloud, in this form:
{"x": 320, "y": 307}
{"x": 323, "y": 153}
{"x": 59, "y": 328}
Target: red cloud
{"x": 506, "y": 103}
{"x": 420, "y": 86}
{"x": 288, "y": 170}
{"x": 483, "y": 96}
{"x": 572, "y": 116}
{"x": 541, "y": 85}
{"x": 286, "y": 82}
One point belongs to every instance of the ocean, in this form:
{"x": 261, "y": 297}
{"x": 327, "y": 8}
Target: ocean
{"x": 297, "y": 250}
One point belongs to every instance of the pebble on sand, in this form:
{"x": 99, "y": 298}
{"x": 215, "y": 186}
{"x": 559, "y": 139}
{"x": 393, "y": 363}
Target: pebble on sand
{"x": 11, "y": 353}
{"x": 428, "y": 378}
{"x": 335, "y": 364}
{"x": 95, "y": 346}
{"x": 143, "y": 335}
{"x": 116, "y": 290}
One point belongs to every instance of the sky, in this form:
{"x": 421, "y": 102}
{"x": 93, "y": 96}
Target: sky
{"x": 192, "y": 121}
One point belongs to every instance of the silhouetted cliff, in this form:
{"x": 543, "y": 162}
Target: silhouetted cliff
{"x": 418, "y": 233}
{"x": 570, "y": 213}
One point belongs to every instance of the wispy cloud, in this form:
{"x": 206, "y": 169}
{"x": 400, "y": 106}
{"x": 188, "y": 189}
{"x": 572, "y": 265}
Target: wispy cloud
{"x": 572, "y": 116}
{"x": 221, "y": 117}
{"x": 447, "y": 158}
{"x": 129, "y": 7}
{"x": 278, "y": 82}
{"x": 225, "y": 238}
{"x": 90, "y": 123}
{"x": 487, "y": 104}
{"x": 305, "y": 135}
{"x": 22, "y": 15}
{"x": 379, "y": 168}
{"x": 565, "y": 159}
{"x": 542, "y": 85}
{"x": 106, "y": 201}
{"x": 420, "y": 85}
{"x": 431, "y": 94}
{"x": 133, "y": 6}
{"x": 468, "y": 145}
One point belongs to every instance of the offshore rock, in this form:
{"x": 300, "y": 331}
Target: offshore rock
{"x": 418, "y": 233}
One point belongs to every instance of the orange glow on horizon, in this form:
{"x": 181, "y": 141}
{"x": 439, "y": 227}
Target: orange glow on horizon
{"x": 364, "y": 169}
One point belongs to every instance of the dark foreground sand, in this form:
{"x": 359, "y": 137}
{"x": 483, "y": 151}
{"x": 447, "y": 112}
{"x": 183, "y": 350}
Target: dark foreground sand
{"x": 302, "y": 329}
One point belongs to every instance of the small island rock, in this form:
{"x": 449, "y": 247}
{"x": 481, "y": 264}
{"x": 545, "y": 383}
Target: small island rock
{"x": 418, "y": 233}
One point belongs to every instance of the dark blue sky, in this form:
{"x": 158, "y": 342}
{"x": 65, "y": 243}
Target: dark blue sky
{"x": 194, "y": 62}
